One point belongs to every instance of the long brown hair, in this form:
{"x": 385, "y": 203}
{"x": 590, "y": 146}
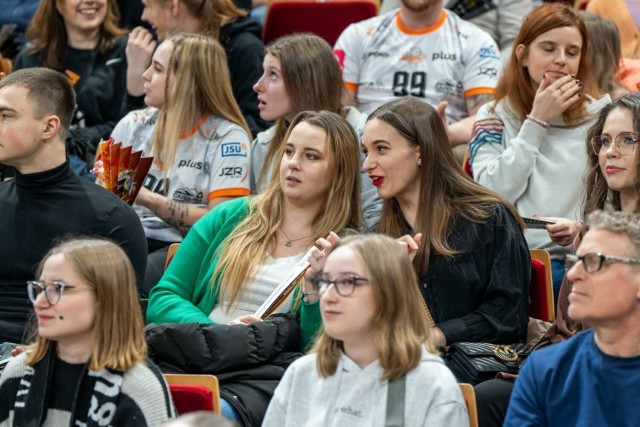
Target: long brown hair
{"x": 119, "y": 341}
{"x": 515, "y": 82}
{"x": 47, "y": 32}
{"x": 312, "y": 79}
{"x": 256, "y": 234}
{"x": 598, "y": 192}
{"x": 213, "y": 14}
{"x": 400, "y": 326}
{"x": 446, "y": 192}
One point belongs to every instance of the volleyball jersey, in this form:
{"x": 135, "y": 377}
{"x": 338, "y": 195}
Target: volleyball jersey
{"x": 452, "y": 60}
{"x": 211, "y": 160}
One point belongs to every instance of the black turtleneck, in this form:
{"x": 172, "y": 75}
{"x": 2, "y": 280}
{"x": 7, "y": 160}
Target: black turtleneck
{"x": 35, "y": 210}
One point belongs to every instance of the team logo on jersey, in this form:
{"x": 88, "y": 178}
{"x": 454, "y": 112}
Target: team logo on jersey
{"x": 488, "y": 71}
{"x": 446, "y": 56}
{"x": 191, "y": 164}
{"x": 415, "y": 56}
{"x": 188, "y": 195}
{"x": 449, "y": 87}
{"x": 236, "y": 172}
{"x": 234, "y": 149}
{"x": 489, "y": 52}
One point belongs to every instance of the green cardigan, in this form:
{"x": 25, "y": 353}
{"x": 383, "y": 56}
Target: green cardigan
{"x": 185, "y": 293}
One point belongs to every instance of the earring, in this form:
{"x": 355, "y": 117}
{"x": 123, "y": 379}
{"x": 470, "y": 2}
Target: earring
{"x": 419, "y": 162}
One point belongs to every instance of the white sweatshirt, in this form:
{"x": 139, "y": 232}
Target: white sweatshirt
{"x": 539, "y": 170}
{"x": 356, "y": 396}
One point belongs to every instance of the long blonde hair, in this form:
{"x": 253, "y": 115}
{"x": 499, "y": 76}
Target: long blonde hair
{"x": 400, "y": 324}
{"x": 255, "y": 234}
{"x": 201, "y": 85}
{"x": 119, "y": 341}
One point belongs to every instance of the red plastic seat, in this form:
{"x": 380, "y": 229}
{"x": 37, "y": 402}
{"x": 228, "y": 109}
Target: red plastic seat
{"x": 326, "y": 19}
{"x": 191, "y": 398}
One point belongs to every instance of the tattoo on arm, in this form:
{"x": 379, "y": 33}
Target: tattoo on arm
{"x": 178, "y": 213}
{"x": 476, "y": 101}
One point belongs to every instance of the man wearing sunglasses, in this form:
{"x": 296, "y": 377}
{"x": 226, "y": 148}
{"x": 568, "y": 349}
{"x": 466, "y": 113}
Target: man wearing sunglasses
{"x": 46, "y": 200}
{"x": 592, "y": 379}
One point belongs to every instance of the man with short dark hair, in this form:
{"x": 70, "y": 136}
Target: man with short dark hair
{"x": 46, "y": 200}
{"x": 592, "y": 379}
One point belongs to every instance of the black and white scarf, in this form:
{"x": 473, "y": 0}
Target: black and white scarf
{"x": 30, "y": 405}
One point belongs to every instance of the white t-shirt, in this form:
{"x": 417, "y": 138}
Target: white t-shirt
{"x": 452, "y": 60}
{"x": 268, "y": 276}
{"x": 212, "y": 160}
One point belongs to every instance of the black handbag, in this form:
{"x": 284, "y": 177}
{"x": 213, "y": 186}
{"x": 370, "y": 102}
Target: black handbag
{"x": 475, "y": 362}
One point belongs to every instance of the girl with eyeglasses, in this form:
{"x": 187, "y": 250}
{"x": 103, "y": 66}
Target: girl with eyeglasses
{"x": 527, "y": 144}
{"x": 375, "y": 335}
{"x": 611, "y": 183}
{"x": 87, "y": 364}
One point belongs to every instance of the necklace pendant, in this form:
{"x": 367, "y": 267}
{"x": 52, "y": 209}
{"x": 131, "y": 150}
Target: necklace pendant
{"x": 288, "y": 244}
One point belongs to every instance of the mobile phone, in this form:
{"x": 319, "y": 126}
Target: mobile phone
{"x": 536, "y": 223}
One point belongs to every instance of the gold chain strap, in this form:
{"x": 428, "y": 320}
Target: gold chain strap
{"x": 505, "y": 353}
{"x": 426, "y": 309}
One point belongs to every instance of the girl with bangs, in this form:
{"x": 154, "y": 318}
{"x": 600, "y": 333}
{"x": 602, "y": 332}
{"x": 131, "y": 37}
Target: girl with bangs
{"x": 198, "y": 137}
{"x": 375, "y": 337}
{"x": 528, "y": 144}
{"x": 87, "y": 365}
{"x": 237, "y": 255}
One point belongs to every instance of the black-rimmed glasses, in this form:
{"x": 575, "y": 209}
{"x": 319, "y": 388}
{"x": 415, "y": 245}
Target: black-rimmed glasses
{"x": 344, "y": 285}
{"x": 625, "y": 143}
{"x": 592, "y": 262}
{"x": 52, "y": 292}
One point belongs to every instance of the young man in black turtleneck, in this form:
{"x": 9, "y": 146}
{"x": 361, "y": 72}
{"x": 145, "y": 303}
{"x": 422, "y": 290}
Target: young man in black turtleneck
{"x": 46, "y": 200}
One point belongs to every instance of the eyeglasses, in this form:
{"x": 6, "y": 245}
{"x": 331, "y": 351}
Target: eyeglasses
{"x": 344, "y": 286}
{"x": 52, "y": 292}
{"x": 625, "y": 143}
{"x": 592, "y": 262}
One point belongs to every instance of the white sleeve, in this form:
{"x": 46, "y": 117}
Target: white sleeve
{"x": 348, "y": 50}
{"x": 122, "y": 131}
{"x": 230, "y": 165}
{"x": 483, "y": 64}
{"x": 276, "y": 414}
{"x": 499, "y": 163}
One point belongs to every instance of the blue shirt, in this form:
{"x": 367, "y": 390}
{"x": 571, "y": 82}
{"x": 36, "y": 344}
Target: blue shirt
{"x": 575, "y": 384}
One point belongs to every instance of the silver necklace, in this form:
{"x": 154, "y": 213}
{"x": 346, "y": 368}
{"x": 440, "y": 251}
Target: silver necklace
{"x": 289, "y": 240}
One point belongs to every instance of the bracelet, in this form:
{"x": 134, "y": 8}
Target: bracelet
{"x": 305, "y": 295}
{"x": 538, "y": 121}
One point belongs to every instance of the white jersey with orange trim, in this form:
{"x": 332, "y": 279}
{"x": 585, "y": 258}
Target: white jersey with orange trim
{"x": 452, "y": 60}
{"x": 212, "y": 160}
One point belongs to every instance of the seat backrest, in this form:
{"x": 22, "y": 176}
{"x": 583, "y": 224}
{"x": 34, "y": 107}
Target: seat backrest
{"x": 469, "y": 395}
{"x": 541, "y": 303}
{"x": 194, "y": 392}
{"x": 170, "y": 253}
{"x": 326, "y": 19}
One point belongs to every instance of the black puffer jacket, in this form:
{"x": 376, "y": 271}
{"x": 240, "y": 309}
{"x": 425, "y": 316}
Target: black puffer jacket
{"x": 249, "y": 360}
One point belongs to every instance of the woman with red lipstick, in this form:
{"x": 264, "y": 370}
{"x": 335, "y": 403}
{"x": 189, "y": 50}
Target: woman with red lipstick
{"x": 375, "y": 333}
{"x": 81, "y": 39}
{"x": 528, "y": 144}
{"x": 469, "y": 252}
{"x": 87, "y": 365}
{"x": 301, "y": 74}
